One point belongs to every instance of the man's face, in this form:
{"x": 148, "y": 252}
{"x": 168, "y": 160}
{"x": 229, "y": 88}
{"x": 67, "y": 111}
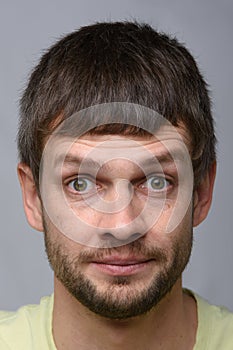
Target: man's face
{"x": 122, "y": 235}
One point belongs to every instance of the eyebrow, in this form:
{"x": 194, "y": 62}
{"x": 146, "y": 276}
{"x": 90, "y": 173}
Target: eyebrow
{"x": 73, "y": 160}
{"x": 90, "y": 163}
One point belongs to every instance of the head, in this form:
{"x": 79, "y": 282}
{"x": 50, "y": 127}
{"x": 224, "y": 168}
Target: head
{"x": 118, "y": 63}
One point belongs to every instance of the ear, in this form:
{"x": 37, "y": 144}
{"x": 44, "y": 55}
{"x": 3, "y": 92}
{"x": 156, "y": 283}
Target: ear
{"x": 31, "y": 200}
{"x": 203, "y": 196}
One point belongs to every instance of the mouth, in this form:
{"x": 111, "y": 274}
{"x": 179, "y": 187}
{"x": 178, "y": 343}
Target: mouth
{"x": 117, "y": 266}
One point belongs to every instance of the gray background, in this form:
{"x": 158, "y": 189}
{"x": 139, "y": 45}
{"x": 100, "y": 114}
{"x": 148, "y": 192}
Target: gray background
{"x": 28, "y": 27}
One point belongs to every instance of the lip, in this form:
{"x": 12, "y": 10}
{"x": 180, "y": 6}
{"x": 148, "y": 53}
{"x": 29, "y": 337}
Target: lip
{"x": 120, "y": 260}
{"x": 121, "y": 266}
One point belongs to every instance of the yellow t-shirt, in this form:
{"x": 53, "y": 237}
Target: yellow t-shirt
{"x": 30, "y": 328}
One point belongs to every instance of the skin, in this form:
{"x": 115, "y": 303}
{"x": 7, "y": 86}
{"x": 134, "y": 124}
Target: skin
{"x": 172, "y": 321}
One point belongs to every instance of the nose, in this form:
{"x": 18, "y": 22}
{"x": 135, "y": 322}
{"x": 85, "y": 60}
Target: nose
{"x": 121, "y": 228}
{"x": 117, "y": 239}
{"x": 122, "y": 221}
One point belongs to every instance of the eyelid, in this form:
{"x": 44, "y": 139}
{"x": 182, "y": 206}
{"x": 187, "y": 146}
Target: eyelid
{"x": 159, "y": 176}
{"x": 68, "y": 179}
{"x": 86, "y": 192}
{"x": 171, "y": 182}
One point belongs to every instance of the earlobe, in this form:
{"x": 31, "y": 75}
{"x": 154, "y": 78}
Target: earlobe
{"x": 202, "y": 197}
{"x": 31, "y": 200}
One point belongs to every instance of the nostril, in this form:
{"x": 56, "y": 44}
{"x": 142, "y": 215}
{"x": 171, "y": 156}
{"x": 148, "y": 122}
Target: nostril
{"x": 107, "y": 236}
{"x": 111, "y": 240}
{"x": 135, "y": 236}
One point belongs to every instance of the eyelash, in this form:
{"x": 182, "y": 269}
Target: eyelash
{"x": 80, "y": 178}
{"x": 70, "y": 184}
{"x": 165, "y": 181}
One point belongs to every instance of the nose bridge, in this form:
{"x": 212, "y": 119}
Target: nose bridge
{"x": 123, "y": 218}
{"x": 123, "y": 194}
{"x": 121, "y": 205}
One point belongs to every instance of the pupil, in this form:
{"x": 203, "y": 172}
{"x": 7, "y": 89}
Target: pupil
{"x": 80, "y": 185}
{"x": 157, "y": 183}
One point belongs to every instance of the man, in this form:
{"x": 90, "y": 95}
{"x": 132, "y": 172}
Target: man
{"x": 117, "y": 165}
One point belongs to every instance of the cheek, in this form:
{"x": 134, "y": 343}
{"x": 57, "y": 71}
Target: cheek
{"x": 168, "y": 228}
{"x": 173, "y": 220}
{"x": 58, "y": 242}
{"x": 86, "y": 214}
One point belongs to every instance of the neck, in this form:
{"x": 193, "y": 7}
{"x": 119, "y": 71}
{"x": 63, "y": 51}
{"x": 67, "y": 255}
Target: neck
{"x": 171, "y": 325}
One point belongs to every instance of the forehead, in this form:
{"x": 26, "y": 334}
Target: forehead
{"x": 166, "y": 134}
{"x": 167, "y": 144}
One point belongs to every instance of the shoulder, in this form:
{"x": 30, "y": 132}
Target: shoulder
{"x": 215, "y": 326}
{"x": 32, "y": 312}
{"x": 18, "y": 330}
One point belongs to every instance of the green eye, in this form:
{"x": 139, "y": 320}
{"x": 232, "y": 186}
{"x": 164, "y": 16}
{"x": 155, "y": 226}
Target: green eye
{"x": 81, "y": 185}
{"x": 156, "y": 184}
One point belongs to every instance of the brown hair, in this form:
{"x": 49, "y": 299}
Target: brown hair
{"x": 116, "y": 62}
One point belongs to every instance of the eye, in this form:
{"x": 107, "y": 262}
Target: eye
{"x": 82, "y": 185}
{"x": 156, "y": 184}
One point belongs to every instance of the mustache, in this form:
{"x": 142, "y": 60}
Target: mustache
{"x": 136, "y": 249}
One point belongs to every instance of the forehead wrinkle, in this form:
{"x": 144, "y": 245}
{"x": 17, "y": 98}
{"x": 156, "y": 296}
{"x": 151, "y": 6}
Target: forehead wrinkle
{"x": 85, "y": 162}
{"x": 89, "y": 163}
{"x": 77, "y": 161}
{"x": 164, "y": 158}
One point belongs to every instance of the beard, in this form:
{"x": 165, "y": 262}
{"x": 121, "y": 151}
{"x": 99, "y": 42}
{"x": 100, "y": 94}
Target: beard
{"x": 122, "y": 297}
